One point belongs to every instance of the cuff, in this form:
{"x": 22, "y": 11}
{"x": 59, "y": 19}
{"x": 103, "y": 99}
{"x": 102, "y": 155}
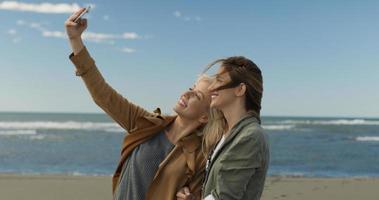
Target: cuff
{"x": 82, "y": 61}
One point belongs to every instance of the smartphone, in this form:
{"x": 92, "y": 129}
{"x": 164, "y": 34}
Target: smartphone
{"x": 83, "y": 13}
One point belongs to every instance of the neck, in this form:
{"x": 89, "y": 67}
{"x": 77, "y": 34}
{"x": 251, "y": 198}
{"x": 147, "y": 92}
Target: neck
{"x": 180, "y": 128}
{"x": 233, "y": 113}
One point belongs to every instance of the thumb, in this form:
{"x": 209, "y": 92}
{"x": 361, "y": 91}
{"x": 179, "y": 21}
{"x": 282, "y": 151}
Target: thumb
{"x": 187, "y": 191}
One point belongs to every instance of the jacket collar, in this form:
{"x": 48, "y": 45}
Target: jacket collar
{"x": 248, "y": 119}
{"x": 242, "y": 123}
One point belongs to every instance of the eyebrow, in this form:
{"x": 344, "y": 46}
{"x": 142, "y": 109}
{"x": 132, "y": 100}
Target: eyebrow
{"x": 202, "y": 94}
{"x": 219, "y": 76}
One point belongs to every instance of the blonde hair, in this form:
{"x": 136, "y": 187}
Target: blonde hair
{"x": 216, "y": 125}
{"x": 213, "y": 130}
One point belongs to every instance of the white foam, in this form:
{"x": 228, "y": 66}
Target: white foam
{"x": 333, "y": 122}
{"x": 18, "y": 132}
{"x": 115, "y": 130}
{"x": 367, "y": 139}
{"x": 37, "y": 137}
{"x": 278, "y": 127}
{"x": 34, "y": 125}
{"x": 75, "y": 173}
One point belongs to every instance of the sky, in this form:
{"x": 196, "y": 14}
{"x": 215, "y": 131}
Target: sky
{"x": 318, "y": 58}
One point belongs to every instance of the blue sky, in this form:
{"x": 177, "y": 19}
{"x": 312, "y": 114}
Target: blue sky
{"x": 318, "y": 58}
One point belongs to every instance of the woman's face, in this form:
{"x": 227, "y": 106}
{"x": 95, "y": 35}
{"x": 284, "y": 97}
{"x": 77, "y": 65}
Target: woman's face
{"x": 194, "y": 103}
{"x": 224, "y": 97}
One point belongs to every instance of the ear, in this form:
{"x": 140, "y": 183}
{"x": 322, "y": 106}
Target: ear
{"x": 240, "y": 90}
{"x": 203, "y": 119}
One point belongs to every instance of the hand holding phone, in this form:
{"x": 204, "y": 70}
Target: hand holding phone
{"x": 82, "y": 14}
{"x": 75, "y": 24}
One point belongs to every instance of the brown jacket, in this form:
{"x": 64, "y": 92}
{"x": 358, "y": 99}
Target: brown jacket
{"x": 184, "y": 166}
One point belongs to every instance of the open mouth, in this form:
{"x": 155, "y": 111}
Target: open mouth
{"x": 182, "y": 102}
{"x": 214, "y": 95}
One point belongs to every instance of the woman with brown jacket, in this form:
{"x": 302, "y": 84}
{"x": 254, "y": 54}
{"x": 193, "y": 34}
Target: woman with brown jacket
{"x": 160, "y": 154}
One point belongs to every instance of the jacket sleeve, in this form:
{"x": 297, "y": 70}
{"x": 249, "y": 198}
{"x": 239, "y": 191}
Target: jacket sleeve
{"x": 115, "y": 105}
{"x": 196, "y": 180}
{"x": 238, "y": 165}
{"x": 197, "y": 183}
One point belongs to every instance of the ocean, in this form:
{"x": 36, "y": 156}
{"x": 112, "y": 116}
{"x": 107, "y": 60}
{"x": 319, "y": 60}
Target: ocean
{"x": 89, "y": 144}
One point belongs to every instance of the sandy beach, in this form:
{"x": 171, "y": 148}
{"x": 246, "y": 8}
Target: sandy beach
{"x": 48, "y": 187}
{"x": 51, "y": 187}
{"x": 294, "y": 188}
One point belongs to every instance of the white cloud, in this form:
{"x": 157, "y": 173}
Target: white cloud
{"x": 130, "y": 35}
{"x": 177, "y": 14}
{"x": 90, "y": 36}
{"x": 12, "y": 32}
{"x": 14, "y": 35}
{"x": 49, "y": 8}
{"x": 20, "y": 22}
{"x": 107, "y": 38}
{"x": 103, "y": 37}
{"x": 36, "y": 26}
{"x": 128, "y": 50}
{"x": 94, "y": 37}
{"x": 54, "y": 34}
{"x": 33, "y": 25}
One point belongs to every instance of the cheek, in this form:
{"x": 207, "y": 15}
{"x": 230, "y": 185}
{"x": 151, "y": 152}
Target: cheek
{"x": 196, "y": 106}
{"x": 224, "y": 96}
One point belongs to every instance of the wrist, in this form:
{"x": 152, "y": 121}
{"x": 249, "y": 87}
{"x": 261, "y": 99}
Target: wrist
{"x": 74, "y": 38}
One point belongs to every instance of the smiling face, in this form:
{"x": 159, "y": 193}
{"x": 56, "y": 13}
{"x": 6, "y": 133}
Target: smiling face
{"x": 221, "y": 98}
{"x": 194, "y": 103}
{"x": 238, "y": 82}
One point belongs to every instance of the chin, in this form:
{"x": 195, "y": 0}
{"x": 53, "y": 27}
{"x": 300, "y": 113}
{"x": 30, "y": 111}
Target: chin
{"x": 215, "y": 104}
{"x": 180, "y": 110}
{"x": 177, "y": 109}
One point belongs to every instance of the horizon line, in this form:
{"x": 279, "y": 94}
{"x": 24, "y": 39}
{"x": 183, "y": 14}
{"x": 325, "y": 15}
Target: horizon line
{"x": 265, "y": 115}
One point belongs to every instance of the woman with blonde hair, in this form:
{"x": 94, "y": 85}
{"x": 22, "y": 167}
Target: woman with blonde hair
{"x": 160, "y": 153}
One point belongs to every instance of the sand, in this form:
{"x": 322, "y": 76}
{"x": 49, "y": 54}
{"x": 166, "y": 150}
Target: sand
{"x": 57, "y": 187}
{"x": 47, "y": 187}
{"x": 279, "y": 188}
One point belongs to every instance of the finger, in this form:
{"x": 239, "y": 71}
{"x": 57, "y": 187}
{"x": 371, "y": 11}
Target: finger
{"x": 180, "y": 195}
{"x": 83, "y": 22}
{"x": 79, "y": 21}
{"x": 186, "y": 190}
{"x": 76, "y": 14}
{"x": 70, "y": 23}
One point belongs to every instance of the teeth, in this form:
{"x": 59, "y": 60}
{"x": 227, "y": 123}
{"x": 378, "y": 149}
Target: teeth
{"x": 182, "y": 102}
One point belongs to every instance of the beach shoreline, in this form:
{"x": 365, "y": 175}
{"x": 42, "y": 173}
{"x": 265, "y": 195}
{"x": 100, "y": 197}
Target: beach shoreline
{"x": 60, "y": 187}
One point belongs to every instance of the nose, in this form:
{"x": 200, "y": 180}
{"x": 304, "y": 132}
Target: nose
{"x": 211, "y": 87}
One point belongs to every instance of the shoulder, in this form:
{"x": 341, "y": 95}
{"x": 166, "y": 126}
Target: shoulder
{"x": 251, "y": 138}
{"x": 253, "y": 131}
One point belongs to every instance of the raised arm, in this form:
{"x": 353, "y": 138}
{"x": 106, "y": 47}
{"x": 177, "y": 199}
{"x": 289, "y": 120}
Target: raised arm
{"x": 115, "y": 105}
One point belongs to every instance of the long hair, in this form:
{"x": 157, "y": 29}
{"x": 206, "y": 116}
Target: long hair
{"x": 216, "y": 125}
{"x": 243, "y": 70}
